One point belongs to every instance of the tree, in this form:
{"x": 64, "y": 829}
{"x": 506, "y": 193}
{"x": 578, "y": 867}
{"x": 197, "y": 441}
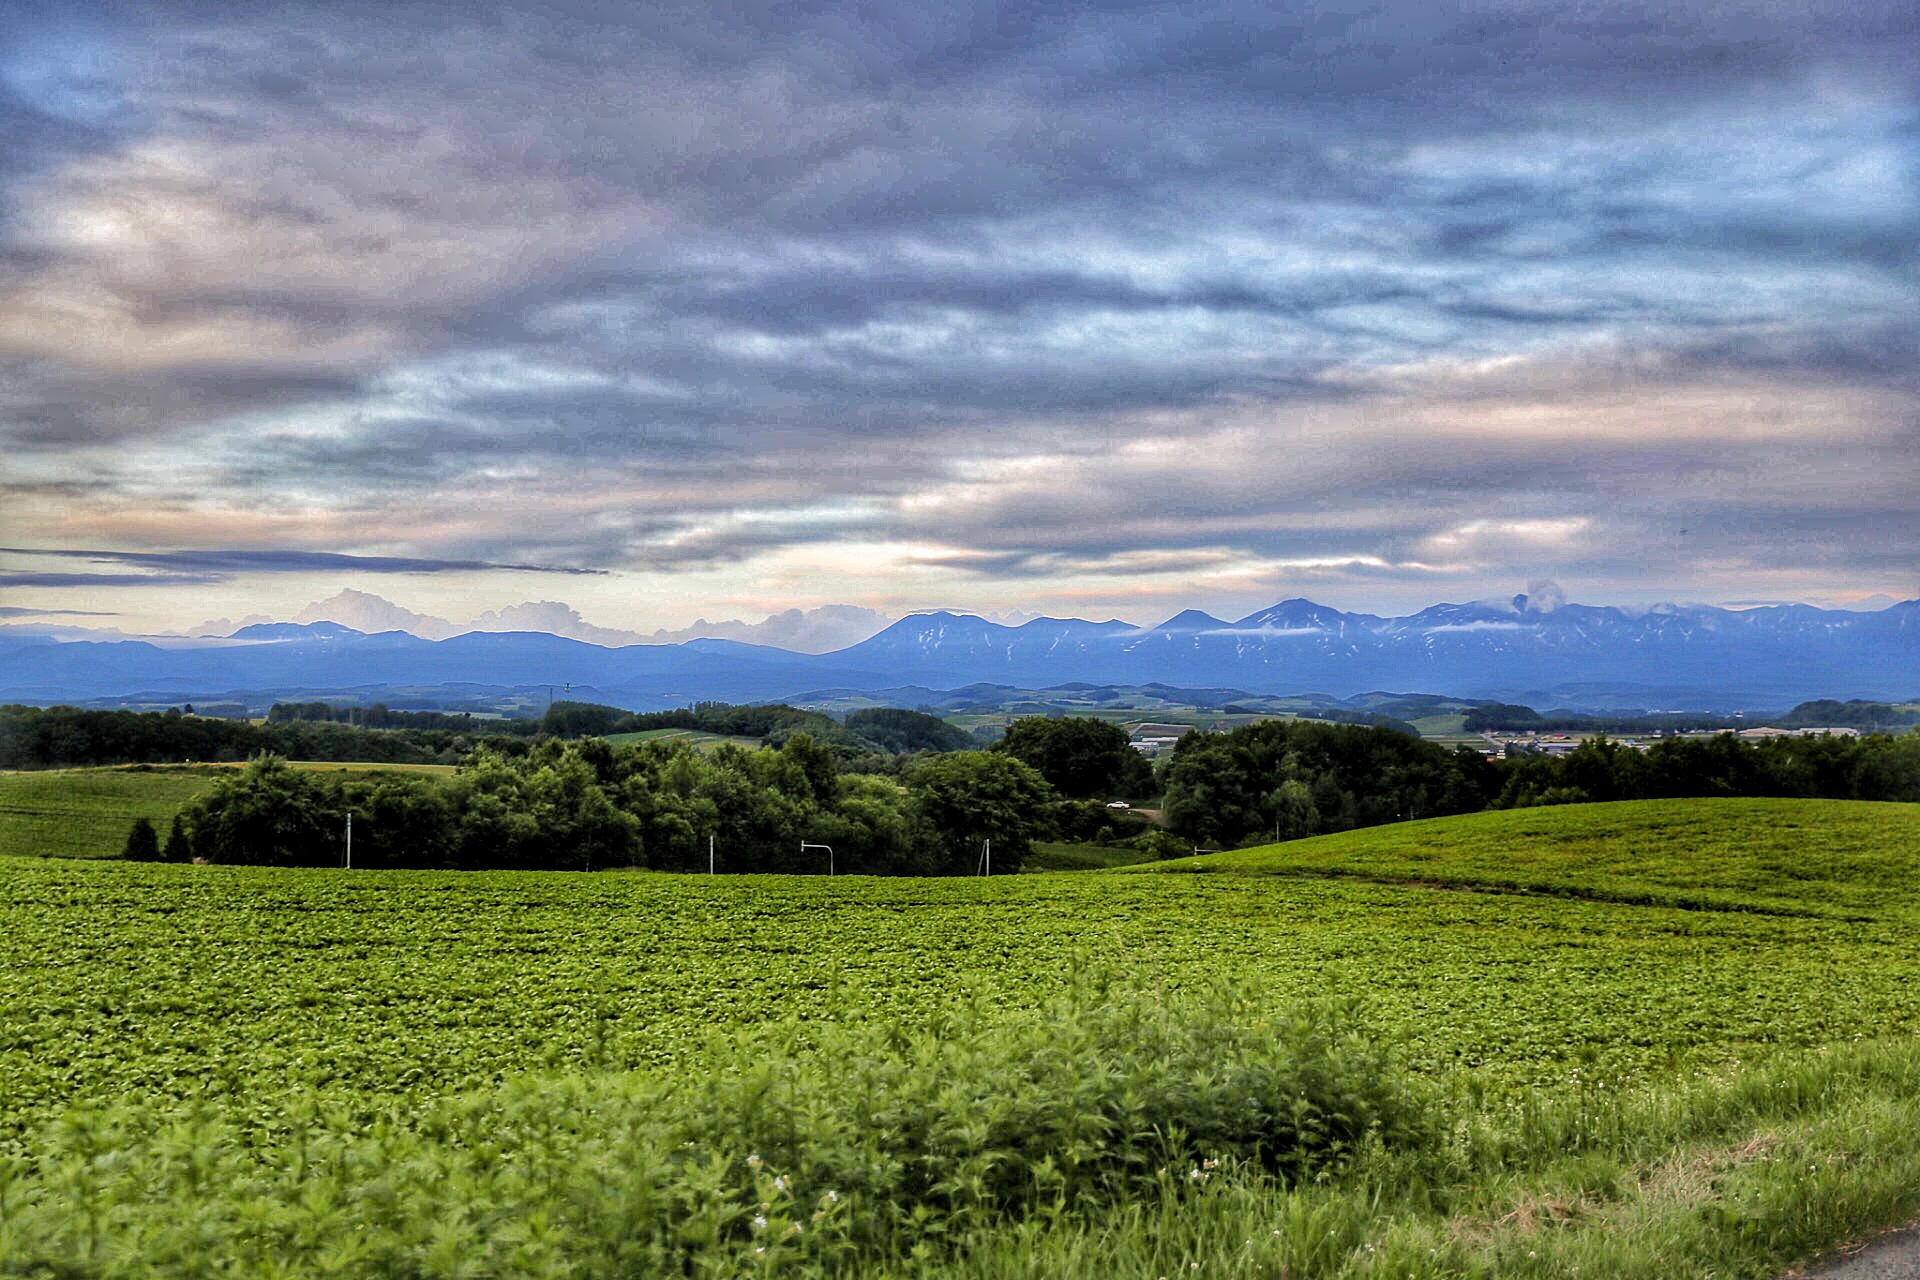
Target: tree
{"x": 178, "y": 848}
{"x": 1078, "y": 755}
{"x": 964, "y": 798}
{"x": 905, "y": 732}
{"x": 142, "y": 844}
{"x": 1294, "y": 812}
{"x": 269, "y": 815}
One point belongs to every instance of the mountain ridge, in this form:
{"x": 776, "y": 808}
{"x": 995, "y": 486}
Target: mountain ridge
{"x": 1773, "y": 655}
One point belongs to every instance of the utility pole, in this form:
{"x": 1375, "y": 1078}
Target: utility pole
{"x": 709, "y": 853}
{"x": 349, "y": 839}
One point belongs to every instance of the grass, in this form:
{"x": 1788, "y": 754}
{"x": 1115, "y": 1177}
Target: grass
{"x": 1061, "y": 856}
{"x": 1837, "y": 858}
{"x": 86, "y": 813}
{"x": 693, "y": 737}
{"x": 1647, "y": 1040}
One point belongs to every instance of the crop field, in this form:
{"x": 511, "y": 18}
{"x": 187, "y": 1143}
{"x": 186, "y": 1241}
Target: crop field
{"x": 1526, "y": 960}
{"x": 185, "y": 982}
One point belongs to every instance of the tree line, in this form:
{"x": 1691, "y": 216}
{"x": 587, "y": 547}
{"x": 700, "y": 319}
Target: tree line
{"x": 586, "y": 805}
{"x": 1280, "y": 780}
{"x": 1869, "y": 767}
{"x": 69, "y": 737}
{"x": 1818, "y": 714}
{"x": 870, "y": 740}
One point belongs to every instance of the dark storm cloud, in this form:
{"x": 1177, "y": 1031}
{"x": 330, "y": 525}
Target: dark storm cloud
{"x": 86, "y": 581}
{"x": 651, "y": 267}
{"x": 224, "y": 563}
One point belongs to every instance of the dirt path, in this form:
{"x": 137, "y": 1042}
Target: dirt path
{"x": 1892, "y": 1256}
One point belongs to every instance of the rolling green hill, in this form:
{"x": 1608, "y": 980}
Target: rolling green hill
{"x": 1851, "y": 859}
{"x": 85, "y": 813}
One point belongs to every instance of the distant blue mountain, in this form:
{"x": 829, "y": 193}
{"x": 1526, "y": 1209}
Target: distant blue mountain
{"x": 1572, "y": 655}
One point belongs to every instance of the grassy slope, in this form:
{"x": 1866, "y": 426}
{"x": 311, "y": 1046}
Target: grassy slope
{"x": 85, "y": 813}
{"x": 1835, "y": 858}
{"x": 1052, "y": 856}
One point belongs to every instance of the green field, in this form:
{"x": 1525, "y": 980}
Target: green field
{"x": 1062, "y": 856}
{"x": 693, "y": 737}
{"x": 85, "y": 813}
{"x": 1589, "y": 998}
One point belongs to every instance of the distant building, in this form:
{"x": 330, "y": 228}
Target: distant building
{"x": 1152, "y": 739}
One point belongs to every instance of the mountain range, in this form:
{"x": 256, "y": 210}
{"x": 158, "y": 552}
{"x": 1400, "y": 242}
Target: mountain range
{"x": 1545, "y": 653}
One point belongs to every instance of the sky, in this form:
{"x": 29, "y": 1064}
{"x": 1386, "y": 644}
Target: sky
{"x": 665, "y": 312}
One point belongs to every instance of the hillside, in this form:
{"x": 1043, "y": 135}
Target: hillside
{"x": 86, "y": 813}
{"x": 1830, "y": 858}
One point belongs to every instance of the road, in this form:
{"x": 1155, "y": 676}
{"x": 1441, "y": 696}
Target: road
{"x": 1893, "y": 1256}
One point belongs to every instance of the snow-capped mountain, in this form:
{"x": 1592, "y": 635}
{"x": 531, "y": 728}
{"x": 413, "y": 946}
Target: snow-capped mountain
{"x": 1771, "y": 656}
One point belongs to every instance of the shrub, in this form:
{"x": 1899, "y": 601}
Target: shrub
{"x": 853, "y": 1148}
{"x": 142, "y": 844}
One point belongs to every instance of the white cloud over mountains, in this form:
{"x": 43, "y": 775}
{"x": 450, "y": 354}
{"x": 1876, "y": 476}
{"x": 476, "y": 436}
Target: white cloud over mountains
{"x": 802, "y": 631}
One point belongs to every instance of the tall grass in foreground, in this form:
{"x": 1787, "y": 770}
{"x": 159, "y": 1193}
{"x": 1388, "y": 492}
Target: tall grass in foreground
{"x": 1112, "y": 1133}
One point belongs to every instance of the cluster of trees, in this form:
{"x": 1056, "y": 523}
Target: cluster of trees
{"x": 1821, "y": 713}
{"x": 1283, "y": 779}
{"x": 65, "y": 737}
{"x": 1873, "y": 767}
{"x": 143, "y": 844}
{"x": 873, "y": 741}
{"x": 877, "y": 731}
{"x": 380, "y": 716}
{"x": 587, "y": 805}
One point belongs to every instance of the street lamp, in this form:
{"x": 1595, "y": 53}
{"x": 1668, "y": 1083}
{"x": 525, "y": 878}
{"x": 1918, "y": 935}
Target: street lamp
{"x": 806, "y": 845}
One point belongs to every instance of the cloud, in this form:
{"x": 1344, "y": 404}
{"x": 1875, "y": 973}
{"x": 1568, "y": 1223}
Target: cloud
{"x": 1055, "y": 299}
{"x": 208, "y": 566}
{"x": 23, "y": 611}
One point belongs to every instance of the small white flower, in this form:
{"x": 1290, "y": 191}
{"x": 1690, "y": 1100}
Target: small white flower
{"x": 759, "y": 1222}
{"x": 833, "y": 1197}
{"x": 780, "y": 1182}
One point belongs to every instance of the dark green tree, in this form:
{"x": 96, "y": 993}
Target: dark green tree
{"x": 269, "y": 815}
{"x": 903, "y": 732}
{"x": 964, "y": 798}
{"x": 1079, "y": 756}
{"x": 142, "y": 844}
{"x": 177, "y": 848}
